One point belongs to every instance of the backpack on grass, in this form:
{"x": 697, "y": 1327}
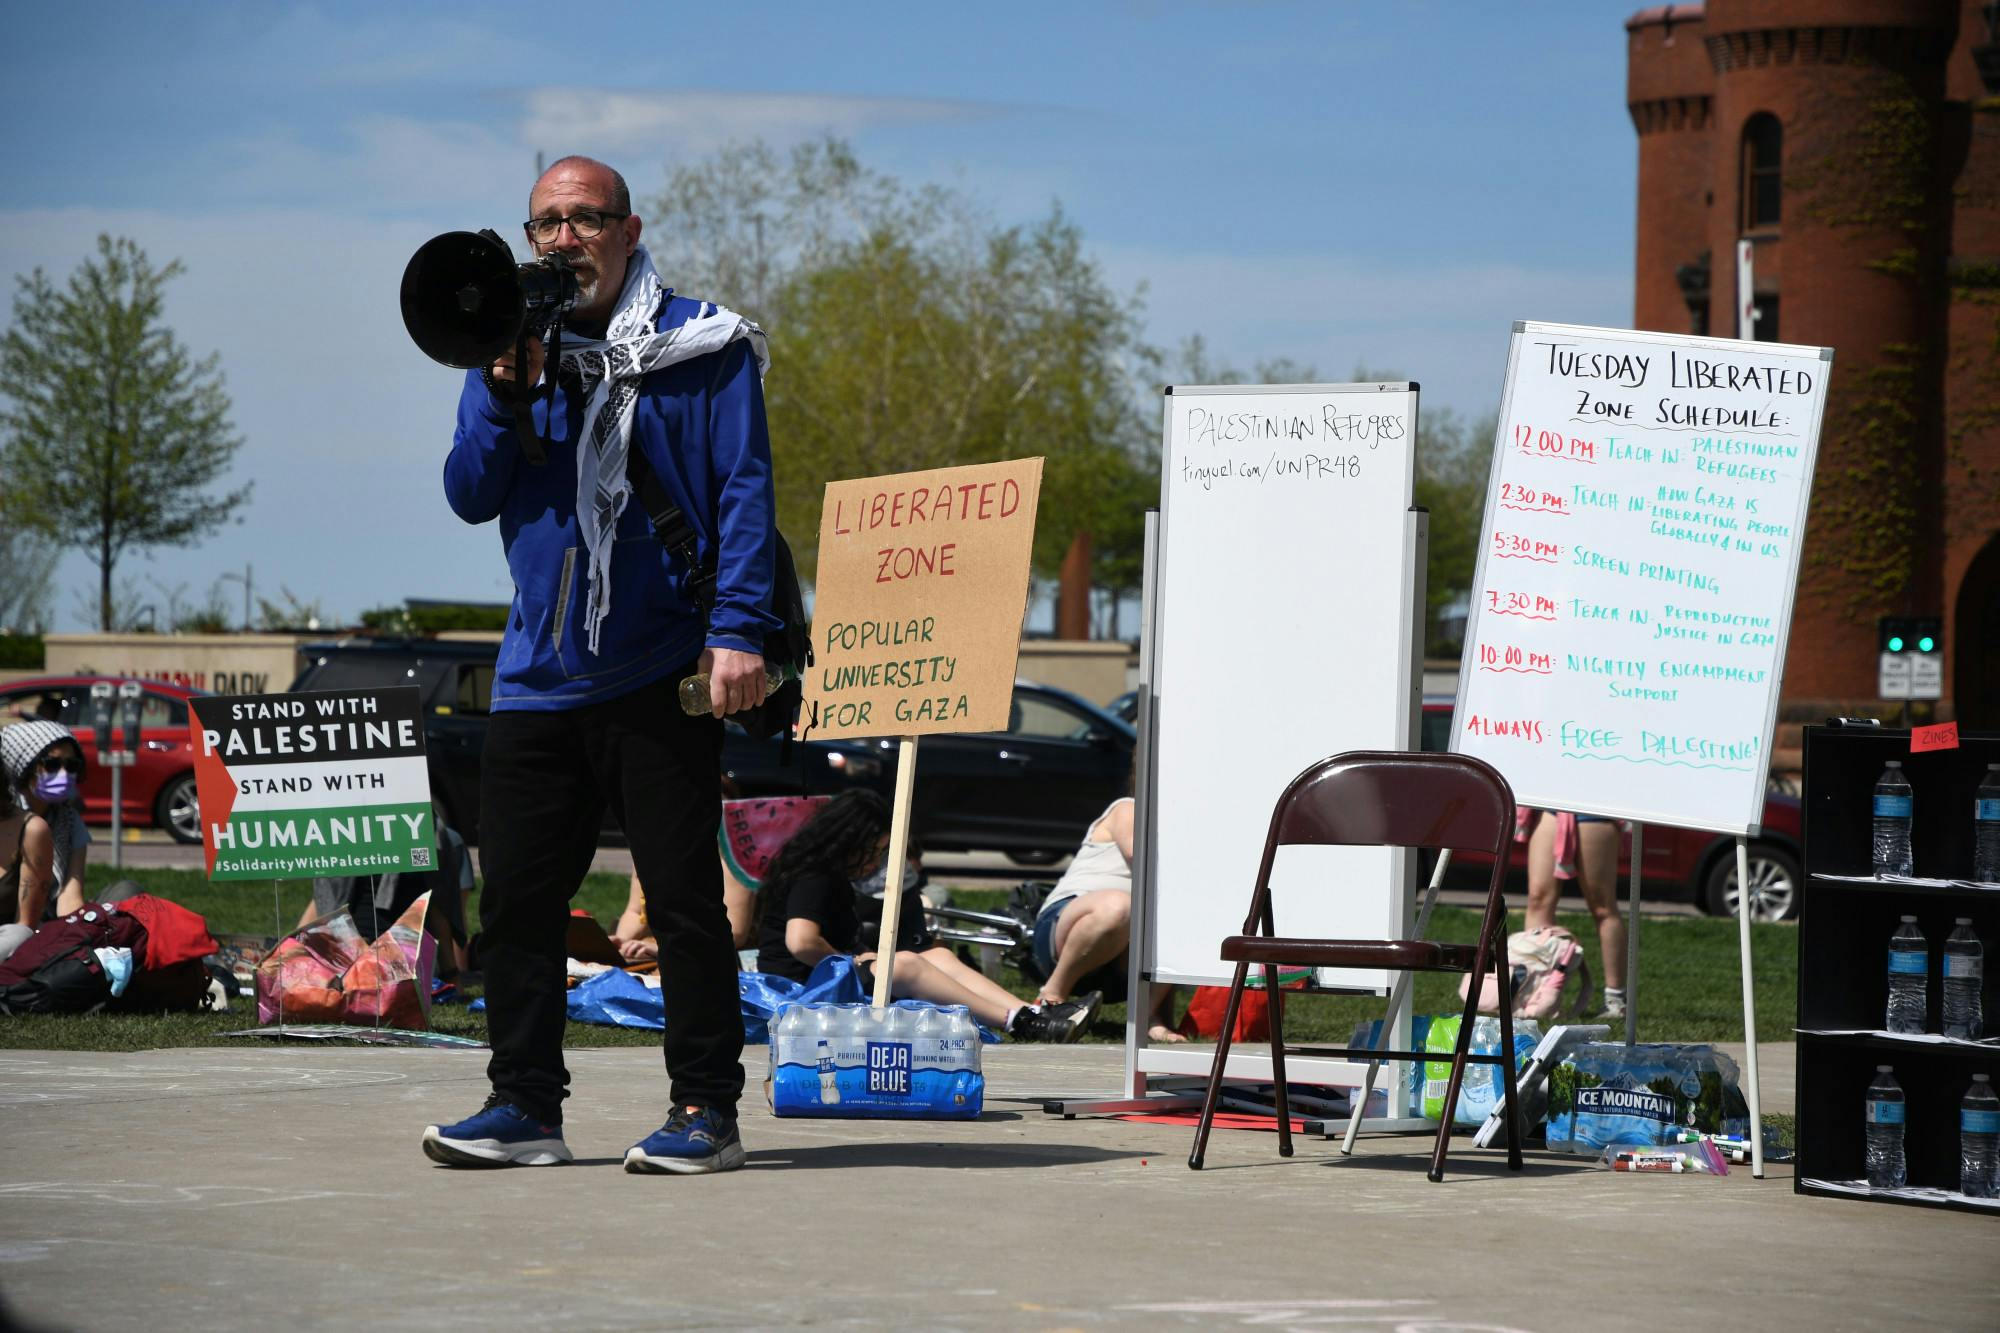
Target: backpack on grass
{"x": 1551, "y": 977}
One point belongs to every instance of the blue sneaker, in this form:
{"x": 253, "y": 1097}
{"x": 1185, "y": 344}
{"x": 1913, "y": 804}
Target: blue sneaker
{"x": 695, "y": 1139}
{"x": 501, "y": 1134}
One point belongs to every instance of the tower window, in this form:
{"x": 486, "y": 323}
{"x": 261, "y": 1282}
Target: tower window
{"x": 1763, "y": 150}
{"x": 1765, "y": 329}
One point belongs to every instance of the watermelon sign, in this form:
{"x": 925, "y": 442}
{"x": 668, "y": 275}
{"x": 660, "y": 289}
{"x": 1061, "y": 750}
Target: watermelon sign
{"x": 294, "y": 786}
{"x": 755, "y": 828}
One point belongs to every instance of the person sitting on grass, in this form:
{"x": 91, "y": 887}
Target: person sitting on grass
{"x": 809, "y": 913}
{"x": 634, "y": 934}
{"x": 1085, "y": 925}
{"x": 42, "y": 834}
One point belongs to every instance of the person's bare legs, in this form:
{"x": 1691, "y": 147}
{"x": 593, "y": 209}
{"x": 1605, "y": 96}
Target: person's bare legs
{"x": 1542, "y": 890}
{"x": 970, "y": 979}
{"x": 1160, "y": 1019}
{"x": 1597, "y": 868}
{"x": 916, "y": 978}
{"x": 1093, "y": 930}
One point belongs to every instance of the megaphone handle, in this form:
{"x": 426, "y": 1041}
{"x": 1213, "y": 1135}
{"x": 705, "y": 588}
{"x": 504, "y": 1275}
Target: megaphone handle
{"x": 524, "y": 396}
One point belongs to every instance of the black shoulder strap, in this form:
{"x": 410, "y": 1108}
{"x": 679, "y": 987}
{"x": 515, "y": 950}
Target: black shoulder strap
{"x": 670, "y": 525}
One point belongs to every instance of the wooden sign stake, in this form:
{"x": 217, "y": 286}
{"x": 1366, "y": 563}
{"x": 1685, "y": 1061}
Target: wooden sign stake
{"x": 892, "y": 870}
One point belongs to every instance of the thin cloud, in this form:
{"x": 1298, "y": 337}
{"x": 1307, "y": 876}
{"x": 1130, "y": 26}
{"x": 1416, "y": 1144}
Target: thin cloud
{"x": 1443, "y": 325}
{"x": 694, "y": 122}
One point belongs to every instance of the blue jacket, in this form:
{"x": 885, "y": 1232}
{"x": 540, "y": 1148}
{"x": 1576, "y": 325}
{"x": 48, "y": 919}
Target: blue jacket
{"x": 701, "y": 423}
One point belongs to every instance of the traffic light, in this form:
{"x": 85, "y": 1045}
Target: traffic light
{"x": 1912, "y": 658}
{"x": 1901, "y": 634}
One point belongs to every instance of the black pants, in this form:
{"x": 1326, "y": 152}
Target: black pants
{"x": 545, "y": 781}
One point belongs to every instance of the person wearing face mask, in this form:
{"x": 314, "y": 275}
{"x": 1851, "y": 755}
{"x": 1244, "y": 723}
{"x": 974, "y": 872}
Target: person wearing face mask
{"x": 606, "y": 622}
{"x": 43, "y": 837}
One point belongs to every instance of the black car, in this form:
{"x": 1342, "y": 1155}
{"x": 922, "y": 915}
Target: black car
{"x": 1031, "y": 791}
{"x": 456, "y": 684}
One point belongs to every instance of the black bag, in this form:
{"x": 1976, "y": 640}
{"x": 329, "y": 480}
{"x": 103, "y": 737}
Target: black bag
{"x": 788, "y": 647}
{"x": 1024, "y": 904}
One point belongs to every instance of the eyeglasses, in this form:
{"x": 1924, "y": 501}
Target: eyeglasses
{"x": 56, "y": 763}
{"x": 585, "y": 222}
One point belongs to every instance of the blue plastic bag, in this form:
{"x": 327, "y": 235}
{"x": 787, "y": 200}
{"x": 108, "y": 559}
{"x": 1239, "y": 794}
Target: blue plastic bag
{"x": 619, "y": 999}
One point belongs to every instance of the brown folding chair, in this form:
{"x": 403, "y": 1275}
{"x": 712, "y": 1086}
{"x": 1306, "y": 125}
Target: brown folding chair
{"x": 1381, "y": 798}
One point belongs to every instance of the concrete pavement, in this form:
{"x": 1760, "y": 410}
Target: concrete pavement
{"x": 265, "y": 1187}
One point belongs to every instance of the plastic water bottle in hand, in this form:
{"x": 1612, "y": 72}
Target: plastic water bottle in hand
{"x": 1893, "y": 807}
{"x": 1986, "y": 828}
{"x": 1909, "y": 978}
{"x": 1979, "y": 1140}
{"x": 1884, "y": 1123}
{"x": 695, "y": 700}
{"x": 1964, "y": 973}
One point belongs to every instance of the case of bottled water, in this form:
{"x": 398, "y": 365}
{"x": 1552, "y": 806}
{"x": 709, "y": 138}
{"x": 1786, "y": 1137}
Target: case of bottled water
{"x": 911, "y": 1061}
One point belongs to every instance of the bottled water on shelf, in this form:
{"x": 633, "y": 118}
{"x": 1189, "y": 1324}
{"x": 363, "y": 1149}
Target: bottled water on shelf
{"x": 1979, "y": 1140}
{"x": 1986, "y": 828}
{"x": 1893, "y": 808}
{"x": 1964, "y": 973}
{"x": 1909, "y": 978}
{"x": 1884, "y": 1123}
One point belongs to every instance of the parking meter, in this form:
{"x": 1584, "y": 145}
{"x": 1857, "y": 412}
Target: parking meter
{"x": 131, "y": 699}
{"x": 100, "y": 715}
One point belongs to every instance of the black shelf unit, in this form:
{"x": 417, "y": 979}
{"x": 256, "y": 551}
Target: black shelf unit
{"x": 1843, "y": 945}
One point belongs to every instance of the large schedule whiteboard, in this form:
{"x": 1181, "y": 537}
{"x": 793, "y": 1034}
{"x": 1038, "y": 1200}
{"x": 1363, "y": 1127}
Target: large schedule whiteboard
{"x": 1626, "y": 638}
{"x": 1285, "y": 629}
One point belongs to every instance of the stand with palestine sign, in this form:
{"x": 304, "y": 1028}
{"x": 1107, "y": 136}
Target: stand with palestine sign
{"x": 294, "y": 786}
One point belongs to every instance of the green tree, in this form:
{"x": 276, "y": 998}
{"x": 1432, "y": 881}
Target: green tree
{"x": 907, "y": 330}
{"x": 116, "y": 436}
{"x": 1453, "y": 458}
{"x": 28, "y": 588}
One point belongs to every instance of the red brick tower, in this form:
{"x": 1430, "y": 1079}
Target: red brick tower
{"x": 1670, "y": 89}
{"x": 1856, "y": 144}
{"x": 1971, "y": 526}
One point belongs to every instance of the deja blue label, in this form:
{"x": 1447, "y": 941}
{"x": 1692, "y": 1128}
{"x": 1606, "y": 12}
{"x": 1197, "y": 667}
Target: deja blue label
{"x": 1892, "y": 807}
{"x": 1908, "y": 964}
{"x": 1885, "y": 1113}
{"x": 889, "y": 1068}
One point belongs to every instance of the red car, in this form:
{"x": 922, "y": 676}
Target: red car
{"x": 159, "y": 786}
{"x": 1684, "y": 863}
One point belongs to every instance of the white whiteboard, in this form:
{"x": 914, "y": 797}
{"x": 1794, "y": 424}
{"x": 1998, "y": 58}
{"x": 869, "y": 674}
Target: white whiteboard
{"x": 1626, "y": 638}
{"x": 1284, "y": 630}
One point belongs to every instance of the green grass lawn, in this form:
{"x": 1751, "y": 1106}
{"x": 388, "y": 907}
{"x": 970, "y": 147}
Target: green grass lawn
{"x": 1688, "y": 976}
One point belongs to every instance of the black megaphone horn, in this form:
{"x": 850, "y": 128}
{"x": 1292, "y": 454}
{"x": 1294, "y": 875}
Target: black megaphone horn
{"x": 465, "y": 300}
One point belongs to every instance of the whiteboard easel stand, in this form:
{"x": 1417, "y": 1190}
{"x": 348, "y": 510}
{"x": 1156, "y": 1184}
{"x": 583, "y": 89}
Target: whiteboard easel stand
{"x": 1784, "y": 591}
{"x": 1749, "y": 1008}
{"x": 1632, "y": 937}
{"x": 892, "y": 873}
{"x": 1180, "y": 1074}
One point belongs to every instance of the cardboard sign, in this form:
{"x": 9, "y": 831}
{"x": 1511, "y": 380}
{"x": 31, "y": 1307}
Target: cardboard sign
{"x": 917, "y": 608}
{"x": 294, "y": 786}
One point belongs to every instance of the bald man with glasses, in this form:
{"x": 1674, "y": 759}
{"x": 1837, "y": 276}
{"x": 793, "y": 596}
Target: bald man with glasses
{"x": 606, "y": 622}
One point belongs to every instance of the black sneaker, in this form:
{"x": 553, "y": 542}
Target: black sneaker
{"x": 1058, "y": 1023}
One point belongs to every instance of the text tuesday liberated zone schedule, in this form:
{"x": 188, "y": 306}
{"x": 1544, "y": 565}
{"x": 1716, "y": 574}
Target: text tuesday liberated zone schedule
{"x": 1638, "y": 559}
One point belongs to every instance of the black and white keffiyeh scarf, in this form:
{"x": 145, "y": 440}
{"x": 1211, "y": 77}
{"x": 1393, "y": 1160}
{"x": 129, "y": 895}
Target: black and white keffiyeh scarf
{"x": 611, "y": 368}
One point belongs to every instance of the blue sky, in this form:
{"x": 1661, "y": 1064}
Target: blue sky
{"x": 1342, "y": 183}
